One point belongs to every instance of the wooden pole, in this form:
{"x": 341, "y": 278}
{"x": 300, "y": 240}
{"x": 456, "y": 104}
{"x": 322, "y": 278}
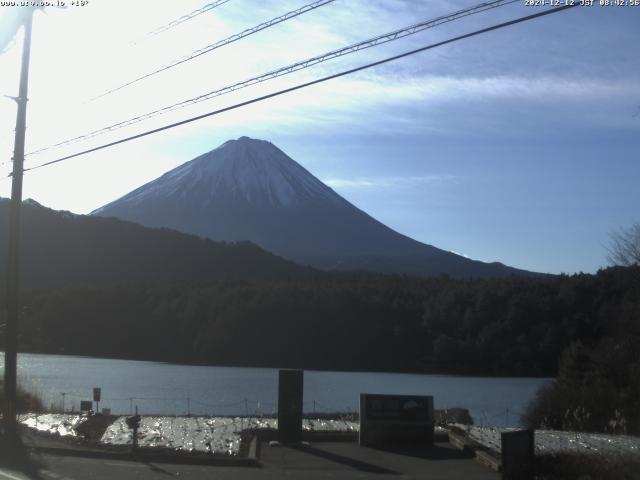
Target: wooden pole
{"x": 13, "y": 258}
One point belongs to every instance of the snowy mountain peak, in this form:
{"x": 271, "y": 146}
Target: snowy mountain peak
{"x": 249, "y": 189}
{"x": 245, "y": 170}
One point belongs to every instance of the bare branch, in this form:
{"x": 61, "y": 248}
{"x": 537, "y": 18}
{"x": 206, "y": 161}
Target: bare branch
{"x": 624, "y": 246}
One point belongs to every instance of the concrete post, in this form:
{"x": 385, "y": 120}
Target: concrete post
{"x": 517, "y": 455}
{"x": 290, "y": 388}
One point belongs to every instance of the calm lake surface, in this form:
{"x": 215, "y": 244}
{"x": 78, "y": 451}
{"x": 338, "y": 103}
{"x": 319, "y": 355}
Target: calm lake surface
{"x": 162, "y": 388}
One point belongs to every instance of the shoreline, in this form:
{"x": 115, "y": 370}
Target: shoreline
{"x": 262, "y": 367}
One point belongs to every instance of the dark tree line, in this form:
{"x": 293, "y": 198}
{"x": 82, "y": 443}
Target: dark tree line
{"x": 510, "y": 326}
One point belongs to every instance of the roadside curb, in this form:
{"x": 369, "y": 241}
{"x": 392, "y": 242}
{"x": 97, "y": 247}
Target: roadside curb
{"x": 481, "y": 454}
{"x": 150, "y": 456}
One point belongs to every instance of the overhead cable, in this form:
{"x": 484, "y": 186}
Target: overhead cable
{"x": 378, "y": 40}
{"x": 184, "y": 18}
{"x": 221, "y": 43}
{"x": 307, "y": 84}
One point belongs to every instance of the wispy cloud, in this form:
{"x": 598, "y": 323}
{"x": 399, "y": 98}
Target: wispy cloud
{"x": 381, "y": 89}
{"x": 370, "y": 183}
{"x": 439, "y": 105}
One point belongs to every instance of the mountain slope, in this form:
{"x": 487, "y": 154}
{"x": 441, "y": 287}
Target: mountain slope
{"x": 250, "y": 190}
{"x": 60, "y": 248}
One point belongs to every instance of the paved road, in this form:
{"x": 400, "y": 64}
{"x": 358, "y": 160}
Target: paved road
{"x": 320, "y": 460}
{"x": 53, "y": 467}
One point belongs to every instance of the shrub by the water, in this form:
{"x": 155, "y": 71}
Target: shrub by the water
{"x": 26, "y": 401}
{"x": 596, "y": 390}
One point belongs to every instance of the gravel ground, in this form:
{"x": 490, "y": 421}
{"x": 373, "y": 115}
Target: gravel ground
{"x": 205, "y": 434}
{"x": 216, "y": 434}
{"x": 54, "y": 423}
{"x": 551, "y": 441}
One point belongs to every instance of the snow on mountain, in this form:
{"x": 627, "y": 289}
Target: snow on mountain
{"x": 246, "y": 170}
{"x": 249, "y": 189}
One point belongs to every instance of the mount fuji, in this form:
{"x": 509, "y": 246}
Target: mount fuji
{"x": 249, "y": 189}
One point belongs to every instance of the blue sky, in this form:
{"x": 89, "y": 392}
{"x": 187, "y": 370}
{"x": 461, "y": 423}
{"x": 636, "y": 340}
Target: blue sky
{"x": 519, "y": 146}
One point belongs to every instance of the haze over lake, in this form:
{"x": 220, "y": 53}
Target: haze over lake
{"x": 162, "y": 388}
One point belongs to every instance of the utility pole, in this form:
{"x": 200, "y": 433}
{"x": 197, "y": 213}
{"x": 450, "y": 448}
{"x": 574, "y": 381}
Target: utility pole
{"x": 13, "y": 258}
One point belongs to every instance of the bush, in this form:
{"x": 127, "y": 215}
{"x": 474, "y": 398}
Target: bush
{"x": 26, "y": 401}
{"x": 597, "y": 390}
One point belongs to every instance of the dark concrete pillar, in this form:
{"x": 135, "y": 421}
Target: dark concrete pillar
{"x": 290, "y": 386}
{"x": 517, "y": 455}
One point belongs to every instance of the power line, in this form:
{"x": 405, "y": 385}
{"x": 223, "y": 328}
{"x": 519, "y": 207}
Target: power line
{"x": 184, "y": 18}
{"x": 221, "y": 43}
{"x": 379, "y": 40}
{"x": 308, "y": 84}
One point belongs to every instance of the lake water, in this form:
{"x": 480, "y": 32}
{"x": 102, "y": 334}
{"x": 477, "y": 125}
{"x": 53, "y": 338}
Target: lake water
{"x": 169, "y": 389}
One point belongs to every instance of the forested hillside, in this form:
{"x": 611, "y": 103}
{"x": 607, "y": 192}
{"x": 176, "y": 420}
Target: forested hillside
{"x": 61, "y": 248}
{"x": 511, "y": 326}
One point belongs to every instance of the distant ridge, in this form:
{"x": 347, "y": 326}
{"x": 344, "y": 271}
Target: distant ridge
{"x": 249, "y": 189}
{"x": 64, "y": 249}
